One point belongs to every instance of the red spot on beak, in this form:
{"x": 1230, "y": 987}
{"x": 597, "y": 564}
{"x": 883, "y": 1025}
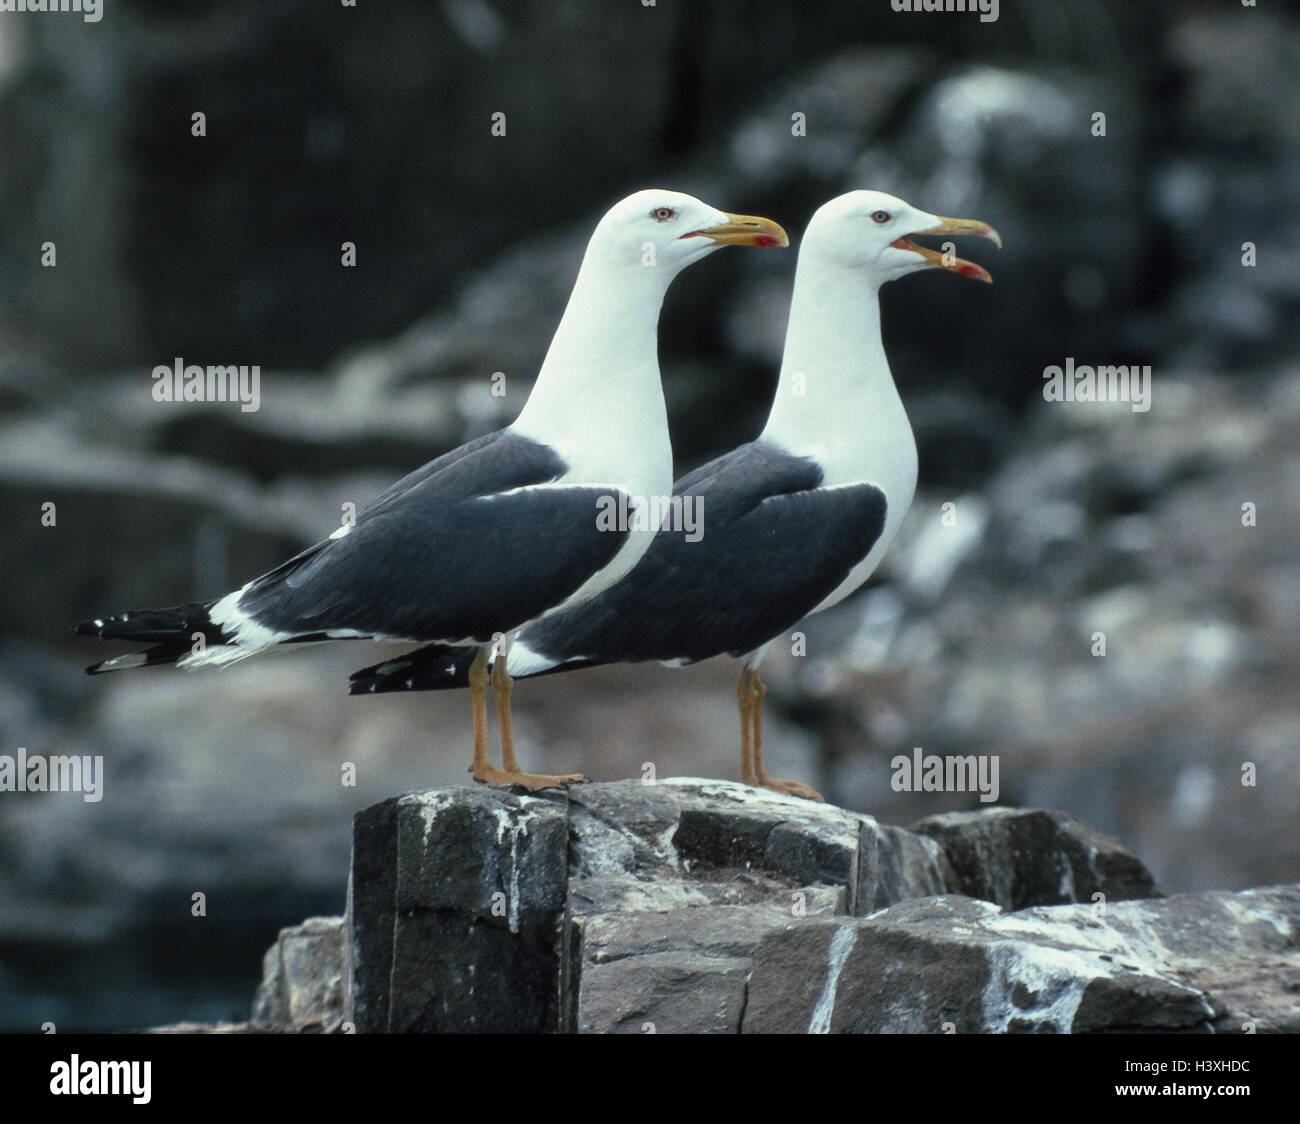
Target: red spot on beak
{"x": 766, "y": 241}
{"x": 973, "y": 271}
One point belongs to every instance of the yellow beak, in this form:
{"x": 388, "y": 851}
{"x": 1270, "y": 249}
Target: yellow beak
{"x": 745, "y": 230}
{"x": 949, "y": 261}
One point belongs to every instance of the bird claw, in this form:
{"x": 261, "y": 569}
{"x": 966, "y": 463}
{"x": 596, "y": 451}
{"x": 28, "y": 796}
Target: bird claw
{"x": 533, "y": 782}
{"x": 788, "y": 788}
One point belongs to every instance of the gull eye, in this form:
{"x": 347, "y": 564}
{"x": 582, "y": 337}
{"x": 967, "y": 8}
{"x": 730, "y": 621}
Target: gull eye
{"x": 663, "y": 214}
{"x": 881, "y": 217}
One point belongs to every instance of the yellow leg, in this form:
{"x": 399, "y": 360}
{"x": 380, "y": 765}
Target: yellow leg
{"x": 752, "y": 755}
{"x": 745, "y": 700}
{"x": 510, "y": 773}
{"x": 501, "y": 684}
{"x": 478, "y": 700}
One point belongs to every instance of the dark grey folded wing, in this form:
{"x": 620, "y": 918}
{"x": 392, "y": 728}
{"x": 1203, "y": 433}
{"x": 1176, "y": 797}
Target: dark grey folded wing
{"x": 774, "y": 544}
{"x": 471, "y": 544}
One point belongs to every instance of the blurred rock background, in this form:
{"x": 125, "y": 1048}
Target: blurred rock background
{"x": 371, "y": 125}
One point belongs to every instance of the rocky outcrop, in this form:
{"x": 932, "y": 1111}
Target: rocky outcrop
{"x": 302, "y": 978}
{"x": 1194, "y": 962}
{"x": 694, "y": 906}
{"x": 610, "y": 907}
{"x": 1017, "y": 857}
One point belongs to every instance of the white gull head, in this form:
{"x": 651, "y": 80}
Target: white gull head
{"x": 870, "y": 231}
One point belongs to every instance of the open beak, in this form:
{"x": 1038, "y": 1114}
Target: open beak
{"x": 947, "y": 261}
{"x": 744, "y": 230}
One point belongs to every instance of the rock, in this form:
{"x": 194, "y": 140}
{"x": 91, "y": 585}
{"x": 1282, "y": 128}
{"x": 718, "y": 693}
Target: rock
{"x": 302, "y": 978}
{"x": 686, "y": 905}
{"x": 473, "y": 909}
{"x": 896, "y": 864}
{"x": 1190, "y": 963}
{"x": 212, "y": 1028}
{"x": 699, "y": 834}
{"x": 1018, "y": 857}
{"x": 455, "y": 911}
{"x": 673, "y": 883}
{"x": 679, "y": 972}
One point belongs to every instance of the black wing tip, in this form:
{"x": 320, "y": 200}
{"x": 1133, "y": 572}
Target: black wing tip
{"x": 378, "y": 678}
{"x": 107, "y": 628}
{"x": 160, "y": 655}
{"x": 362, "y": 684}
{"x": 102, "y": 668}
{"x": 437, "y": 667}
{"x": 382, "y": 679}
{"x": 120, "y": 663}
